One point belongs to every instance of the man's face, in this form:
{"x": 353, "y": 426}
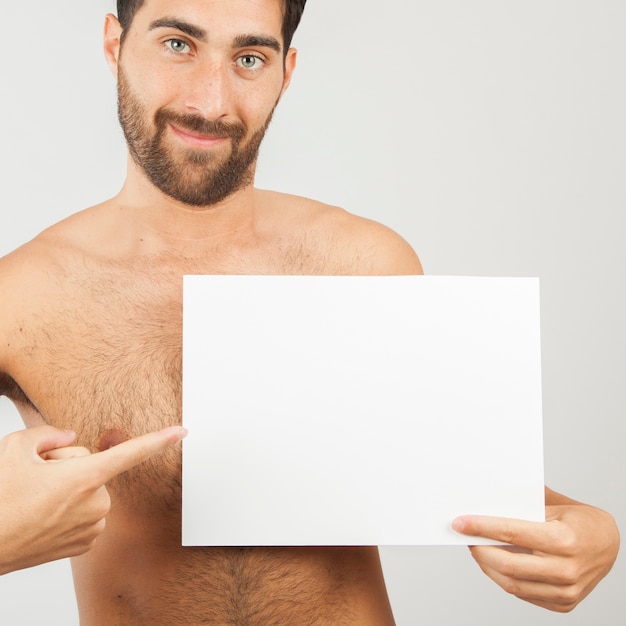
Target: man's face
{"x": 198, "y": 81}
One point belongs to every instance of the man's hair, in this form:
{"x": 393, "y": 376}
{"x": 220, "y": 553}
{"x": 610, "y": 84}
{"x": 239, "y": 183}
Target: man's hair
{"x": 292, "y": 12}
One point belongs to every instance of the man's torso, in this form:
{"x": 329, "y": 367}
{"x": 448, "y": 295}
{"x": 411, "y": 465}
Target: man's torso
{"x": 93, "y": 343}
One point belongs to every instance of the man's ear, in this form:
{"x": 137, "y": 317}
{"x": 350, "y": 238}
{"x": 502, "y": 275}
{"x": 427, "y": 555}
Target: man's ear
{"x": 290, "y": 66}
{"x": 112, "y": 39}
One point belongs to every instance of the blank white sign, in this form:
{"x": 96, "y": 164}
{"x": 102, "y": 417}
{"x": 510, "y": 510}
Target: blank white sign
{"x": 358, "y": 410}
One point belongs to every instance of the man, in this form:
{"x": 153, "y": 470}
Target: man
{"x": 93, "y": 341}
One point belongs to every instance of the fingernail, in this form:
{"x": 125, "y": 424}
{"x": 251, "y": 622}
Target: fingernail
{"x": 458, "y": 524}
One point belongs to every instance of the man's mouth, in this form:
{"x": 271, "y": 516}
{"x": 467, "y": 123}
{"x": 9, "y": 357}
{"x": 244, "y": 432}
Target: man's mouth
{"x": 198, "y": 140}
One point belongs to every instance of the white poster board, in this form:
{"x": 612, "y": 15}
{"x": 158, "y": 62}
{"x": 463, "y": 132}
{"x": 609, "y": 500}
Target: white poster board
{"x": 358, "y": 410}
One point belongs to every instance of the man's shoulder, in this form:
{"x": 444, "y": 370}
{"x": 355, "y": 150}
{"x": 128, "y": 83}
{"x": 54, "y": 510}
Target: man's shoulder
{"x": 33, "y": 281}
{"x": 32, "y": 271}
{"x": 18, "y": 270}
{"x": 24, "y": 264}
{"x": 42, "y": 255}
{"x": 53, "y": 247}
{"x": 358, "y": 244}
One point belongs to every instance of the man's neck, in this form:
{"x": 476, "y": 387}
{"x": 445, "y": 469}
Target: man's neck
{"x": 163, "y": 221}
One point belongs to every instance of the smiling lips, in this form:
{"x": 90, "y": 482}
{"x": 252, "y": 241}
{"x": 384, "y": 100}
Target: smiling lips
{"x": 199, "y": 140}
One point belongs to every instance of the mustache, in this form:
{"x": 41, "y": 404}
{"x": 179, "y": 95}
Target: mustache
{"x": 198, "y": 124}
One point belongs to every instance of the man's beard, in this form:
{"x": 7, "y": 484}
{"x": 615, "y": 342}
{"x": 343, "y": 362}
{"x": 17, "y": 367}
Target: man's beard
{"x": 196, "y": 177}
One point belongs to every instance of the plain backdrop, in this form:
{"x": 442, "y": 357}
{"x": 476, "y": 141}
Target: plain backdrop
{"x": 490, "y": 134}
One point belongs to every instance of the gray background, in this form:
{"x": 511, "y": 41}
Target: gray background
{"x": 490, "y": 134}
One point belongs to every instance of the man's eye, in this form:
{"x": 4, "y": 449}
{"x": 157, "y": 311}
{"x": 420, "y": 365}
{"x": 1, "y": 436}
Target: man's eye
{"x": 178, "y": 45}
{"x": 249, "y": 61}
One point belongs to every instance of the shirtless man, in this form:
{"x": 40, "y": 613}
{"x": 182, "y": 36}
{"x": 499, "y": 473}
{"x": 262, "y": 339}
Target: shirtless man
{"x": 90, "y": 337}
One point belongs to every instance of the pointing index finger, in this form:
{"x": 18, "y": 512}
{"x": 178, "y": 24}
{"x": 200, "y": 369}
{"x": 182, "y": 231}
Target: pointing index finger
{"x": 124, "y": 456}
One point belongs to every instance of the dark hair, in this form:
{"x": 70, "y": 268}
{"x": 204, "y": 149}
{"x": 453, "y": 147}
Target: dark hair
{"x": 292, "y": 12}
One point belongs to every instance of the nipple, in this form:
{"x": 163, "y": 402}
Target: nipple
{"x": 110, "y": 438}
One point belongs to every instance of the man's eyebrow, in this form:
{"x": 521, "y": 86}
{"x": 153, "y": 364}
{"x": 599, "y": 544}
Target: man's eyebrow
{"x": 244, "y": 41}
{"x": 184, "y": 27}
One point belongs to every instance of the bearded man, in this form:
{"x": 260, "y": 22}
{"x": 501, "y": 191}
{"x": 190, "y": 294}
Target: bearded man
{"x": 93, "y": 343}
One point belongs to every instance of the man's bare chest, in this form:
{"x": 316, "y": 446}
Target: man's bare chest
{"x": 103, "y": 357}
{"x": 100, "y": 350}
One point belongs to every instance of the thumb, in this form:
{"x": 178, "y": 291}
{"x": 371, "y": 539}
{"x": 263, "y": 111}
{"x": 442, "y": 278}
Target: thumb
{"x": 41, "y": 439}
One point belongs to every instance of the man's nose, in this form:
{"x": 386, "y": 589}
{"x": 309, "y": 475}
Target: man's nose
{"x": 209, "y": 91}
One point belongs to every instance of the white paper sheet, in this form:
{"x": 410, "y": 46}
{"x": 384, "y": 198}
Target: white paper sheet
{"x": 358, "y": 410}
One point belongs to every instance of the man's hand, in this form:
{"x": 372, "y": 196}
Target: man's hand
{"x": 553, "y": 564}
{"x": 53, "y": 502}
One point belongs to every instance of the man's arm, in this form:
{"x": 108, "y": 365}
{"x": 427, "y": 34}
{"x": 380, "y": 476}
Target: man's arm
{"x": 53, "y": 502}
{"x": 561, "y": 560}
{"x": 553, "y": 564}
